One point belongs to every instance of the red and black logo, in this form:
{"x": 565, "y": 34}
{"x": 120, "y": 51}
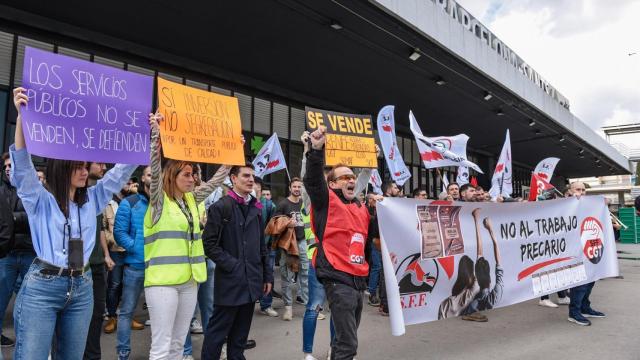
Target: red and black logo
{"x": 591, "y": 233}
{"x": 417, "y": 276}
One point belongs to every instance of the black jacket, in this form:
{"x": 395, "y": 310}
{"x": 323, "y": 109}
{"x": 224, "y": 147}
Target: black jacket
{"x": 240, "y": 254}
{"x": 19, "y": 238}
{"x": 318, "y": 191}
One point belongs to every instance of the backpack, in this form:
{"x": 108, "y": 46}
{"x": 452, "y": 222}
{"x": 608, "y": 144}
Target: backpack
{"x": 227, "y": 211}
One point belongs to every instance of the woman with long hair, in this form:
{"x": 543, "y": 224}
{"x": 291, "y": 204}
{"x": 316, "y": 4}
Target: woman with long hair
{"x": 56, "y": 297}
{"x": 173, "y": 251}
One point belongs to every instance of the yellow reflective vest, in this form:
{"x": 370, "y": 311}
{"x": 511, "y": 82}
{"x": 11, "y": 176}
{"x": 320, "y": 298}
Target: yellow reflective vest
{"x": 309, "y": 235}
{"x": 173, "y": 251}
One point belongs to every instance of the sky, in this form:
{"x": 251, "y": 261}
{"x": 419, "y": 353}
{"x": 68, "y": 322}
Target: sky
{"x": 581, "y": 47}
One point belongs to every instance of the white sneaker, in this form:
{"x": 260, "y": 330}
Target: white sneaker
{"x": 321, "y": 316}
{"x": 309, "y": 357}
{"x": 564, "y": 301}
{"x": 288, "y": 313}
{"x": 269, "y": 312}
{"x": 547, "y": 303}
{"x": 187, "y": 357}
{"x": 147, "y": 323}
{"x": 223, "y": 353}
{"x": 196, "y": 327}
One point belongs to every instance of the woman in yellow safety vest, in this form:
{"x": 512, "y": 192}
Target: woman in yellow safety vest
{"x": 173, "y": 253}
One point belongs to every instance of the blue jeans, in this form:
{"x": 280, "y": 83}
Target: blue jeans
{"x": 267, "y": 300}
{"x": 48, "y": 305}
{"x": 205, "y": 302}
{"x": 374, "y": 270}
{"x": 132, "y": 287}
{"x": 13, "y": 269}
{"x": 114, "y": 282}
{"x": 317, "y": 298}
{"x": 579, "y": 296}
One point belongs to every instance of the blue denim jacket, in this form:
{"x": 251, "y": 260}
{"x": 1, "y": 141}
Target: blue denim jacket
{"x": 47, "y": 222}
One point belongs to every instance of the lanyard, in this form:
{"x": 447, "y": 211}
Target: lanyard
{"x": 187, "y": 214}
{"x": 67, "y": 227}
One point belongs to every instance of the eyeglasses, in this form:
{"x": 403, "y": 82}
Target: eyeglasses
{"x": 346, "y": 177}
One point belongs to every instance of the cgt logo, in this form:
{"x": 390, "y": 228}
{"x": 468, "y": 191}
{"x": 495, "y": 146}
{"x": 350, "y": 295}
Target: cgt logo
{"x": 416, "y": 279}
{"x": 591, "y": 232}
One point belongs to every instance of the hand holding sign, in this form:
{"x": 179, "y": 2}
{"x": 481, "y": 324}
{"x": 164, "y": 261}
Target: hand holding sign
{"x": 318, "y": 138}
{"x": 20, "y": 99}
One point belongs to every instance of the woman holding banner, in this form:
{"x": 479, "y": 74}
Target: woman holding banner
{"x": 57, "y": 292}
{"x": 173, "y": 250}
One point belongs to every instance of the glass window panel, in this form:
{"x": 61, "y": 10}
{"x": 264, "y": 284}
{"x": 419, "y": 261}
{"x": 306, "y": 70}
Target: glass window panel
{"x": 244, "y": 103}
{"x": 22, "y": 42}
{"x": 261, "y": 116}
{"x": 6, "y": 47}
{"x": 281, "y": 120}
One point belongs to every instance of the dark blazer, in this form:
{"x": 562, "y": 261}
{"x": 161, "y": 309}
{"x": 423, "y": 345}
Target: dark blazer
{"x": 240, "y": 254}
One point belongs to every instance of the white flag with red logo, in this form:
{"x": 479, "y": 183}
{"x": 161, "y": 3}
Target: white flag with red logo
{"x": 442, "y": 150}
{"x": 501, "y": 183}
{"x": 545, "y": 168}
{"x": 463, "y": 175}
{"x": 540, "y": 188}
{"x": 387, "y": 133}
{"x": 270, "y": 158}
{"x": 376, "y": 181}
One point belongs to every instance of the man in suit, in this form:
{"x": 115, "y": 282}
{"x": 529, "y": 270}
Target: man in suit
{"x": 233, "y": 239}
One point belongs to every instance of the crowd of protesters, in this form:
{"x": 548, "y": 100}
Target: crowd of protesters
{"x": 80, "y": 245}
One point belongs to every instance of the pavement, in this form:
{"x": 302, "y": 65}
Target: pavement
{"x": 523, "y": 331}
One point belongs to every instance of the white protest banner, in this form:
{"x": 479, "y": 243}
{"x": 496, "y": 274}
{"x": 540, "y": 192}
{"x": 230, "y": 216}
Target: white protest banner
{"x": 501, "y": 182}
{"x": 442, "y": 150}
{"x": 443, "y": 259}
{"x": 376, "y": 181}
{"x": 463, "y": 175}
{"x": 545, "y": 168}
{"x": 270, "y": 158}
{"x": 387, "y": 133}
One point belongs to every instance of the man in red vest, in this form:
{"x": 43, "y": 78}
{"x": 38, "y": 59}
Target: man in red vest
{"x": 341, "y": 224}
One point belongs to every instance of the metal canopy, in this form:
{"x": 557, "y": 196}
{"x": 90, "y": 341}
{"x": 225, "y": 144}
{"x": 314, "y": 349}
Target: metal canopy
{"x": 290, "y": 49}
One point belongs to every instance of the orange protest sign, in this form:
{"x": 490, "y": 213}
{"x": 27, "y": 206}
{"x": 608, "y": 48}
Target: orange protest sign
{"x": 350, "y": 138}
{"x": 199, "y": 126}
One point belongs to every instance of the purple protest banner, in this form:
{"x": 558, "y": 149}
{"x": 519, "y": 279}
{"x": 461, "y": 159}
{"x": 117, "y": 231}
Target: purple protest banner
{"x": 79, "y": 110}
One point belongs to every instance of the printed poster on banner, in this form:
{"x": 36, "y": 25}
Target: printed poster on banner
{"x": 270, "y": 158}
{"x": 199, "y": 125}
{"x": 79, "y": 110}
{"x": 350, "y": 138}
{"x": 387, "y": 133}
{"x": 546, "y": 167}
{"x": 457, "y": 258}
{"x": 441, "y": 151}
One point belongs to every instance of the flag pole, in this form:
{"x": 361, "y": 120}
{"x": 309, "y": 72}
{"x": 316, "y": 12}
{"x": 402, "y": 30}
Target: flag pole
{"x": 288, "y": 176}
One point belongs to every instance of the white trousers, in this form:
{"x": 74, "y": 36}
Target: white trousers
{"x": 170, "y": 309}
